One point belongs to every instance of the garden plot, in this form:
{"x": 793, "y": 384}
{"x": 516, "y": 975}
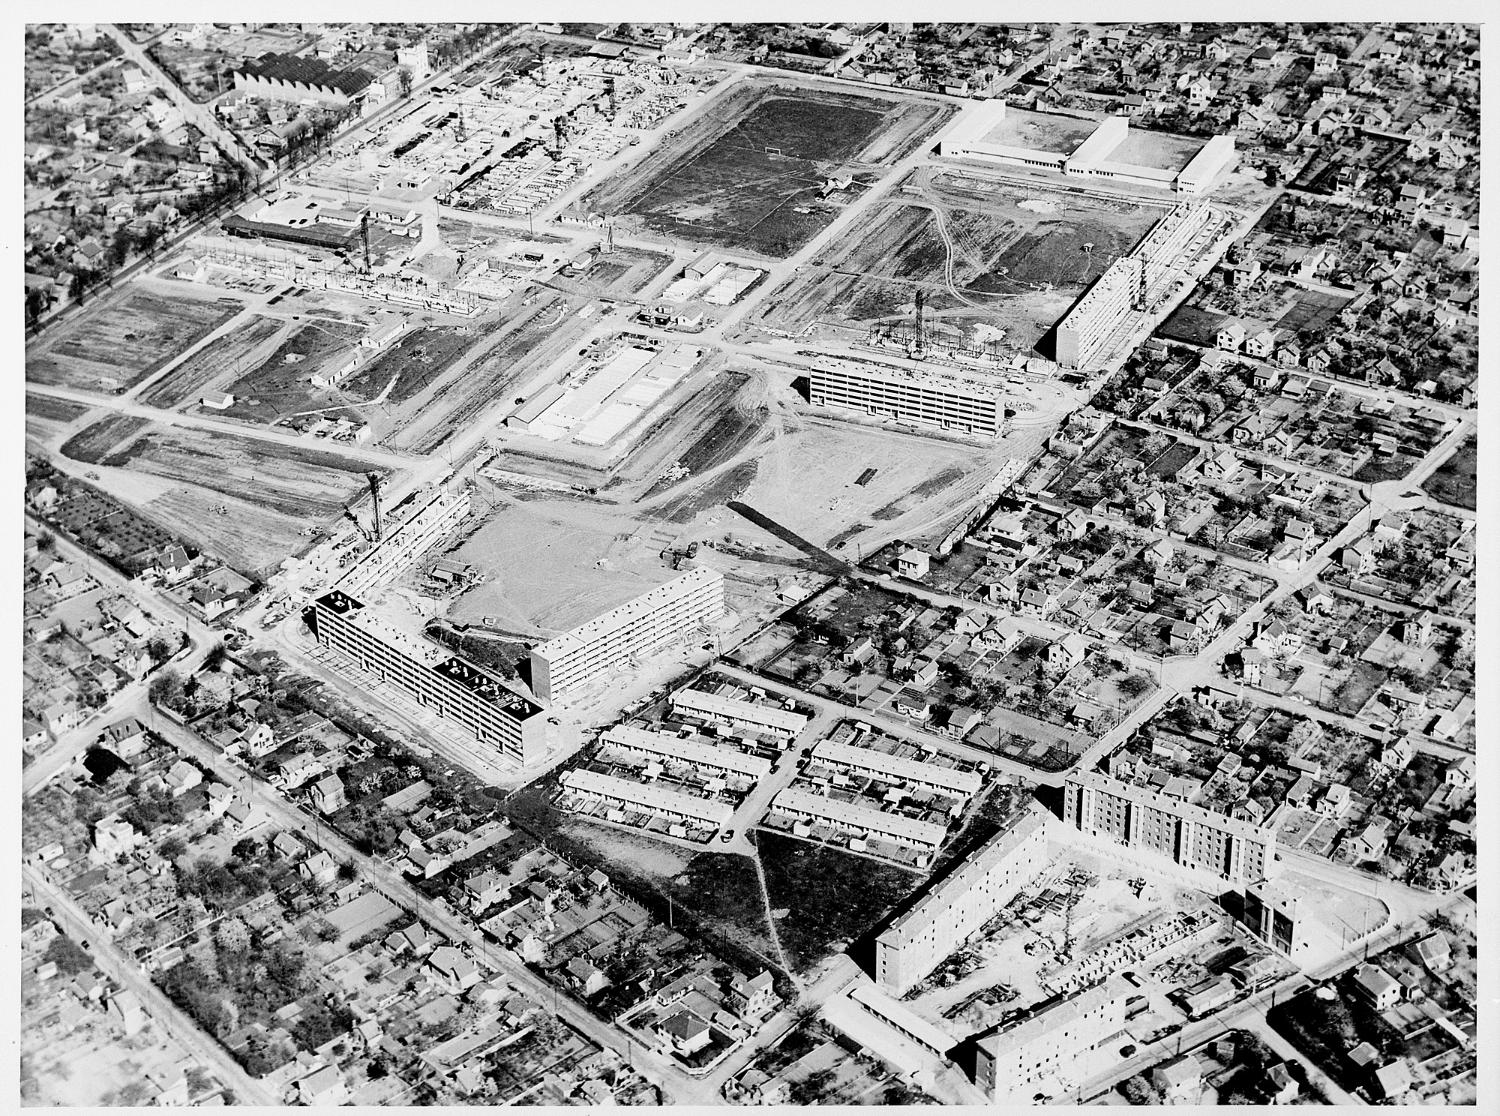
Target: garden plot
{"x": 220, "y": 357}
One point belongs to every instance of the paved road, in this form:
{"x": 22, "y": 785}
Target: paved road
{"x": 123, "y": 970}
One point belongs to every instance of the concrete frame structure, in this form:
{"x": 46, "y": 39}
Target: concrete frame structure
{"x": 866, "y": 821}
{"x": 1279, "y": 918}
{"x": 948, "y": 401}
{"x": 1190, "y": 836}
{"x": 889, "y": 768}
{"x": 639, "y": 627}
{"x": 736, "y": 713}
{"x": 647, "y": 796}
{"x": 1090, "y": 159}
{"x": 456, "y": 690}
{"x": 1011, "y": 1062}
{"x": 962, "y": 902}
{"x": 691, "y": 752}
{"x": 406, "y": 541}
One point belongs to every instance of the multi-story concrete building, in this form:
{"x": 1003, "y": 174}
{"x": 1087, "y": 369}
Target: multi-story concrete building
{"x": 1189, "y": 835}
{"x": 1016, "y": 1062}
{"x": 1131, "y": 283}
{"x": 608, "y": 643}
{"x": 970, "y": 404}
{"x": 861, "y": 821}
{"x": 1279, "y": 918}
{"x": 734, "y": 713}
{"x": 648, "y": 796}
{"x": 963, "y": 901}
{"x": 1101, "y": 311}
{"x": 899, "y": 769}
{"x": 456, "y": 690}
{"x": 405, "y": 541}
{"x": 659, "y": 745}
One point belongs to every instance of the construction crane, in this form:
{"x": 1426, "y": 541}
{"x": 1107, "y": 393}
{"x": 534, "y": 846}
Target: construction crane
{"x": 364, "y": 233}
{"x": 921, "y": 323}
{"x": 374, "y": 479}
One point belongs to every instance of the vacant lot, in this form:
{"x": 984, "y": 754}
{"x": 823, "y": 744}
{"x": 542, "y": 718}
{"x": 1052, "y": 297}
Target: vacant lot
{"x": 282, "y": 384}
{"x": 303, "y": 483}
{"x": 45, "y": 416}
{"x": 416, "y": 361}
{"x": 1456, "y": 481}
{"x": 93, "y": 444}
{"x": 746, "y": 173}
{"x": 221, "y": 355}
{"x": 824, "y": 899}
{"x": 120, "y": 343}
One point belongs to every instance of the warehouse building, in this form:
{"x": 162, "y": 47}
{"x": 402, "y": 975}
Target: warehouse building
{"x": 1188, "y": 835}
{"x": 899, "y": 769}
{"x": 861, "y": 821}
{"x": 730, "y": 712}
{"x": 288, "y": 77}
{"x": 456, "y": 690}
{"x": 632, "y": 795}
{"x": 692, "y": 752}
{"x": 962, "y": 902}
{"x": 641, "y": 627}
{"x": 966, "y": 404}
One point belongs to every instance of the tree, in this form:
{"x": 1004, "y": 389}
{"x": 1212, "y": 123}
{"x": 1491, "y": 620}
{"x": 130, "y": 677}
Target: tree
{"x": 1134, "y": 685}
{"x": 214, "y": 659}
{"x": 403, "y": 80}
{"x": 158, "y": 648}
{"x": 69, "y": 957}
{"x": 166, "y": 689}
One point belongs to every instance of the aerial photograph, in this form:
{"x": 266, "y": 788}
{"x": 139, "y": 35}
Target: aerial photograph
{"x": 740, "y": 563}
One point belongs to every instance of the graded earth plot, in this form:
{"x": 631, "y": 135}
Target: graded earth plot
{"x": 244, "y": 345}
{"x": 260, "y": 498}
{"x": 997, "y": 262}
{"x": 1456, "y": 480}
{"x": 748, "y": 171}
{"x": 123, "y": 340}
{"x": 48, "y": 418}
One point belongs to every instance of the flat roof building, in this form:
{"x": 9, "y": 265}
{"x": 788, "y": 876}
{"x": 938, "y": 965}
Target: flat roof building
{"x": 456, "y": 690}
{"x": 899, "y": 769}
{"x": 962, "y": 902}
{"x": 970, "y": 404}
{"x": 1013, "y": 1063}
{"x": 691, "y": 752}
{"x": 647, "y": 796}
{"x": 908, "y": 1023}
{"x": 1189, "y": 835}
{"x": 640, "y": 627}
{"x": 738, "y": 713}
{"x": 866, "y": 821}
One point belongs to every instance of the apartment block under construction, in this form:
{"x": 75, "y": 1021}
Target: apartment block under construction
{"x": 640, "y": 627}
{"x": 967, "y": 404}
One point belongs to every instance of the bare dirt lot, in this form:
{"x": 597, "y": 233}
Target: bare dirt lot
{"x": 46, "y": 418}
{"x": 122, "y": 341}
{"x": 281, "y": 385}
{"x": 991, "y": 260}
{"x": 555, "y": 563}
{"x": 93, "y": 443}
{"x": 311, "y": 484}
{"x": 416, "y": 361}
{"x": 746, "y": 173}
{"x": 219, "y": 357}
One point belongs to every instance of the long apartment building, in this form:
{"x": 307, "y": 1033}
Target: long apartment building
{"x": 639, "y": 627}
{"x": 730, "y": 712}
{"x": 631, "y": 795}
{"x": 861, "y": 821}
{"x": 659, "y": 745}
{"x": 405, "y": 541}
{"x": 969, "y": 404}
{"x": 1013, "y": 1064}
{"x": 457, "y": 691}
{"x": 967, "y": 898}
{"x": 1106, "y": 306}
{"x": 1187, "y": 834}
{"x": 899, "y": 769}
